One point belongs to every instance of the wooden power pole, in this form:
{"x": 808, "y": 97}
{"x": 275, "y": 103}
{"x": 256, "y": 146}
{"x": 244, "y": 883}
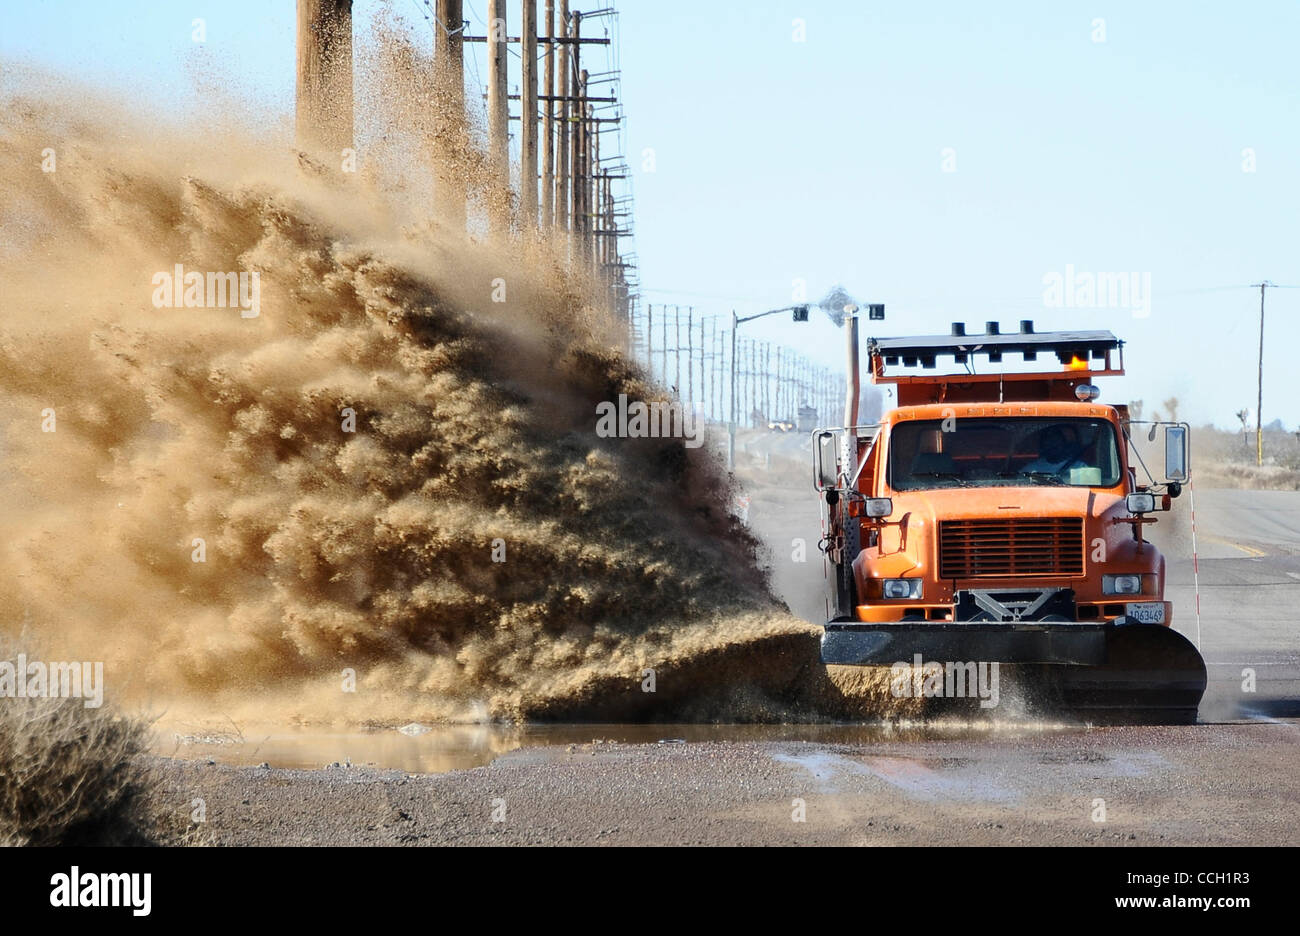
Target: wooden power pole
{"x": 577, "y": 140}
{"x": 562, "y": 136}
{"x": 528, "y": 135}
{"x": 449, "y": 67}
{"x": 548, "y": 122}
{"x": 324, "y": 76}
{"x": 591, "y": 159}
{"x": 1259, "y": 401}
{"x": 498, "y": 107}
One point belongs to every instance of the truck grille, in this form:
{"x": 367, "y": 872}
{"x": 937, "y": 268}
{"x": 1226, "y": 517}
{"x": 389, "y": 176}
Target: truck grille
{"x": 1012, "y": 547}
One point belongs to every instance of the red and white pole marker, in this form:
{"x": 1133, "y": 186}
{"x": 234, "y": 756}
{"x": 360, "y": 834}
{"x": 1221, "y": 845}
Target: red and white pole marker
{"x": 1196, "y": 570}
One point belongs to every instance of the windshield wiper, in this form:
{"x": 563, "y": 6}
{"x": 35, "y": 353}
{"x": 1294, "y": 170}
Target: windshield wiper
{"x": 1044, "y": 477}
{"x": 950, "y": 475}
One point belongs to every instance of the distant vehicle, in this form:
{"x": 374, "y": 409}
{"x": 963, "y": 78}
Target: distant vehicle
{"x": 780, "y": 425}
{"x": 999, "y": 517}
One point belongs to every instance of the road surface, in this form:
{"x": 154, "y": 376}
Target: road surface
{"x": 1232, "y": 779}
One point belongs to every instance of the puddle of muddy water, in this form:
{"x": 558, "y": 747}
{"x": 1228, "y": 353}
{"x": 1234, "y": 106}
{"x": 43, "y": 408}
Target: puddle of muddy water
{"x": 442, "y": 748}
{"x": 914, "y": 778}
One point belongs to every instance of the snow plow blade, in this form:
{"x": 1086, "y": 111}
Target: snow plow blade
{"x": 1123, "y": 672}
{"x": 1151, "y": 672}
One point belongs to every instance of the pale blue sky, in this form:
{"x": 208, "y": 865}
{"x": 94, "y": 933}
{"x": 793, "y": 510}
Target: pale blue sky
{"x": 822, "y": 160}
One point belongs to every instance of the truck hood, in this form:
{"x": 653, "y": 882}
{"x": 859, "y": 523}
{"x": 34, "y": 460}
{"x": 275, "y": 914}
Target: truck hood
{"x": 1006, "y": 502}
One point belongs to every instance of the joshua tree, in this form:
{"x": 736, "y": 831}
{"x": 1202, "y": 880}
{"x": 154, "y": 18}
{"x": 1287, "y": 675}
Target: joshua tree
{"x": 1171, "y": 407}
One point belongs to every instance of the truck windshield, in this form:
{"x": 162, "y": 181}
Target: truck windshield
{"x": 978, "y": 452}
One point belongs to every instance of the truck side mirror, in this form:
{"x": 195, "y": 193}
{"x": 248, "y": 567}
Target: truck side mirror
{"x": 1175, "y": 453}
{"x": 826, "y": 472}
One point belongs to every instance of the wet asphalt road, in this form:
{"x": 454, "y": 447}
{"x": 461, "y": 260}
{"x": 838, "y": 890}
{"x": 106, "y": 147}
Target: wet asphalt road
{"x": 1112, "y": 786}
{"x": 1248, "y": 545}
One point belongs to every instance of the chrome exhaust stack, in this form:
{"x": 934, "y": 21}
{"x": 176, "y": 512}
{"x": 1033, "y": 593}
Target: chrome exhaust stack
{"x": 854, "y": 388}
{"x": 853, "y": 394}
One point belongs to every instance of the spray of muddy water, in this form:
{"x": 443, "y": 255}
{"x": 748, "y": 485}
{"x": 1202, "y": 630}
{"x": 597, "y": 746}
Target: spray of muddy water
{"x": 328, "y": 550}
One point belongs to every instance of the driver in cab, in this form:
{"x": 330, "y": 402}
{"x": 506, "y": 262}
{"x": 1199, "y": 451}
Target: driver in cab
{"x": 1058, "y": 452}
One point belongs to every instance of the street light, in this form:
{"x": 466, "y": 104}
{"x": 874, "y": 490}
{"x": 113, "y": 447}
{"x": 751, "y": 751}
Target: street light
{"x": 800, "y": 315}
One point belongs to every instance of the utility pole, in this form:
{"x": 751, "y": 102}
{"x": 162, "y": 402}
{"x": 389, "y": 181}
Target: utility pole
{"x": 578, "y": 160}
{"x": 650, "y": 338}
{"x": 498, "y": 81}
{"x": 703, "y": 354}
{"x": 1259, "y": 402}
{"x": 767, "y": 381}
{"x": 607, "y": 242}
{"x": 528, "y": 134}
{"x": 498, "y": 109}
{"x": 323, "y": 112}
{"x": 449, "y": 67}
{"x": 746, "y": 362}
{"x": 746, "y": 381}
{"x": 753, "y": 381}
{"x": 563, "y": 53}
{"x": 780, "y": 413}
{"x": 690, "y": 354}
{"x": 677, "y": 349}
{"x": 577, "y": 121}
{"x": 548, "y": 123}
{"x": 731, "y": 423}
{"x": 591, "y": 153}
{"x": 663, "y": 345}
{"x": 715, "y": 401}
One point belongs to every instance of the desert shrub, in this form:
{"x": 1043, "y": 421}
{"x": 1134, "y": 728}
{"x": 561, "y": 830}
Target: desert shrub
{"x": 71, "y": 775}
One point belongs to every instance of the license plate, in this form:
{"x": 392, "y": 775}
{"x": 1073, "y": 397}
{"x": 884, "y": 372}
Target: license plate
{"x": 1153, "y": 613}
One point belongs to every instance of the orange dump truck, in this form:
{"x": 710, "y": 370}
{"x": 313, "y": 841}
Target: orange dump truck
{"x": 997, "y": 516}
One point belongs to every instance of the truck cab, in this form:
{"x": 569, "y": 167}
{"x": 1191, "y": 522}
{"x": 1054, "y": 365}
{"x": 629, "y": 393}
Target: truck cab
{"x": 1004, "y": 511}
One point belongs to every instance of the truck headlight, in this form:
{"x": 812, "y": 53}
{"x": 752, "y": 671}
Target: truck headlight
{"x": 1121, "y": 584}
{"x": 902, "y": 588}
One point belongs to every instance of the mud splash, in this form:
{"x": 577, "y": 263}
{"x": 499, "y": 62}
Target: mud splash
{"x": 390, "y": 473}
